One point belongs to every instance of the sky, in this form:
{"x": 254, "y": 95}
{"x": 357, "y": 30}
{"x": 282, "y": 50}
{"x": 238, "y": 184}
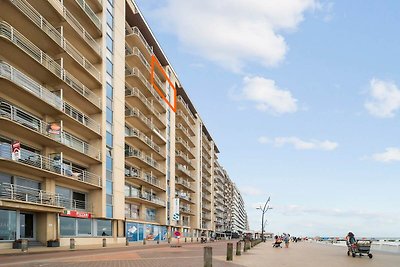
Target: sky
{"x": 302, "y": 98}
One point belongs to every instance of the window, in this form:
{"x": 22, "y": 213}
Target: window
{"x": 109, "y": 139}
{"x": 8, "y": 224}
{"x": 84, "y": 226}
{"x": 109, "y": 90}
{"x": 109, "y": 115}
{"x": 109, "y": 43}
{"x": 110, "y": 19}
{"x": 67, "y": 226}
{"x": 109, "y": 211}
{"x": 150, "y": 214}
{"x": 104, "y": 228}
{"x": 109, "y": 187}
{"x": 109, "y": 163}
{"x": 27, "y": 183}
{"x": 109, "y": 67}
{"x": 5, "y": 178}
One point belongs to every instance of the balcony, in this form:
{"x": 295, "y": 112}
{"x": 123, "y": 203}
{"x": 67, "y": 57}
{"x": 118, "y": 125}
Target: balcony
{"x": 144, "y": 178}
{"x": 182, "y": 118}
{"x": 206, "y": 216}
{"x": 186, "y": 210}
{"x": 206, "y": 197}
{"x": 146, "y": 143}
{"x": 80, "y": 6}
{"x": 185, "y": 197}
{"x": 11, "y": 115}
{"x": 183, "y": 158}
{"x": 45, "y": 101}
{"x": 77, "y": 60}
{"x": 182, "y": 144}
{"x": 184, "y": 170}
{"x": 43, "y": 166}
{"x": 43, "y": 64}
{"x": 145, "y": 198}
{"x": 134, "y": 97}
{"x": 134, "y": 36}
{"x": 185, "y": 107}
{"x": 184, "y": 132}
{"x": 136, "y": 79}
{"x": 138, "y": 158}
{"x": 183, "y": 184}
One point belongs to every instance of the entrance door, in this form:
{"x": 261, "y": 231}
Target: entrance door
{"x": 26, "y": 225}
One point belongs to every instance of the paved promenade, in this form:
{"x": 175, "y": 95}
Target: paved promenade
{"x": 191, "y": 255}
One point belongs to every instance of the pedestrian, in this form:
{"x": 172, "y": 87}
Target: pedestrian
{"x": 286, "y": 238}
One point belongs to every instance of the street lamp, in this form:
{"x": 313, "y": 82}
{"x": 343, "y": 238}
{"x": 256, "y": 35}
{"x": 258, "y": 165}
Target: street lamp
{"x": 264, "y": 210}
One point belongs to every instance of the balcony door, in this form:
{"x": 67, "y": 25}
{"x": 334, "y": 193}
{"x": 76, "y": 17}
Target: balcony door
{"x": 27, "y": 225}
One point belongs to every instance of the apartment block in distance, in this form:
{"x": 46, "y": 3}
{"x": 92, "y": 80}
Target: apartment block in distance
{"x": 89, "y": 146}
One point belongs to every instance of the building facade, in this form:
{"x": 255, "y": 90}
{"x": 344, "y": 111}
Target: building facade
{"x": 93, "y": 144}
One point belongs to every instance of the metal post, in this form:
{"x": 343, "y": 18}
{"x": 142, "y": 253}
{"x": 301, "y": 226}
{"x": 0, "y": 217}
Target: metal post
{"x": 24, "y": 245}
{"x": 104, "y": 242}
{"x": 144, "y": 241}
{"x": 238, "y": 248}
{"x": 71, "y": 243}
{"x": 127, "y": 242}
{"x": 207, "y": 256}
{"x": 229, "y": 251}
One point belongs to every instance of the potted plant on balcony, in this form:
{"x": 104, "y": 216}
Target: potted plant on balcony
{"x": 53, "y": 243}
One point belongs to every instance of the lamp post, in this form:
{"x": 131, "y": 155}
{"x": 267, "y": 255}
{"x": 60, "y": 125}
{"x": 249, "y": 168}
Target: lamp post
{"x": 264, "y": 210}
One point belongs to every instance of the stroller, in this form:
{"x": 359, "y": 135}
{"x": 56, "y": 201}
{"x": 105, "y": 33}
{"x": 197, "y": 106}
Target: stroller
{"x": 278, "y": 242}
{"x": 360, "y": 247}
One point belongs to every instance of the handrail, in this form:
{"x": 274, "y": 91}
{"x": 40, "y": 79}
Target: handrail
{"x": 149, "y": 178}
{"x": 136, "y": 72}
{"x": 133, "y": 132}
{"x": 136, "y": 52}
{"x": 134, "y": 152}
{"x": 21, "y": 79}
{"x": 25, "y": 119}
{"x": 57, "y": 37}
{"x": 145, "y": 196}
{"x": 183, "y": 169}
{"x": 183, "y": 155}
{"x": 136, "y": 92}
{"x": 48, "y": 164}
{"x": 135, "y": 31}
{"x": 78, "y": 27}
{"x": 184, "y": 130}
{"x": 8, "y": 32}
{"x": 186, "y": 119}
{"x": 137, "y": 113}
{"x": 180, "y": 99}
{"x": 183, "y": 182}
{"x": 89, "y": 12}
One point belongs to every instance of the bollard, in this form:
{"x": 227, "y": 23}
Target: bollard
{"x": 169, "y": 240}
{"x": 185, "y": 239}
{"x": 24, "y": 245}
{"x": 104, "y": 242}
{"x": 247, "y": 245}
{"x": 207, "y": 256}
{"x": 71, "y": 243}
{"x": 127, "y": 242}
{"x": 144, "y": 241}
{"x": 238, "y": 248}
{"x": 191, "y": 239}
{"x": 197, "y": 239}
{"x": 229, "y": 251}
{"x": 158, "y": 241}
{"x": 244, "y": 246}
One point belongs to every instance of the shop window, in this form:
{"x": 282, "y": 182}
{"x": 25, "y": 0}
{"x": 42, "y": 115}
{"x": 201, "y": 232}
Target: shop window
{"x": 67, "y": 226}
{"x": 84, "y": 226}
{"x": 8, "y": 224}
{"x": 104, "y": 228}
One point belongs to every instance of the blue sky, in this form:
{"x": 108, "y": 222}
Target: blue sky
{"x": 306, "y": 99}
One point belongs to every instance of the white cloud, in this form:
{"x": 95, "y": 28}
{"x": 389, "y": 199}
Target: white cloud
{"x": 268, "y": 96}
{"x": 299, "y": 143}
{"x": 390, "y": 154}
{"x": 233, "y": 32}
{"x": 385, "y": 99}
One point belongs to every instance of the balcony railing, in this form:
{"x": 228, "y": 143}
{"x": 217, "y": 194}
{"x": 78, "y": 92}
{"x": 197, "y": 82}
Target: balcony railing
{"x": 136, "y": 173}
{"x": 133, "y": 152}
{"x": 184, "y": 130}
{"x": 183, "y": 142}
{"x": 183, "y": 169}
{"x": 136, "y": 52}
{"x": 37, "y": 196}
{"x": 89, "y": 12}
{"x": 8, "y": 32}
{"x": 48, "y": 164}
{"x": 180, "y": 99}
{"x": 145, "y": 196}
{"x": 185, "y": 118}
{"x": 136, "y": 92}
{"x": 183, "y": 195}
{"x": 132, "y": 132}
{"x": 57, "y": 37}
{"x": 9, "y": 72}
{"x": 183, "y": 182}
{"x": 22, "y": 118}
{"x": 135, "y": 31}
{"x": 136, "y": 72}
{"x": 77, "y": 27}
{"x": 179, "y": 153}
{"x": 185, "y": 209}
{"x": 206, "y": 197}
{"x": 137, "y": 113}
{"x": 206, "y": 216}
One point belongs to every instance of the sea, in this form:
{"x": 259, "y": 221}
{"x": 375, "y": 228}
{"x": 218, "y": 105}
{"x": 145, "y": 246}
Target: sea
{"x": 391, "y": 245}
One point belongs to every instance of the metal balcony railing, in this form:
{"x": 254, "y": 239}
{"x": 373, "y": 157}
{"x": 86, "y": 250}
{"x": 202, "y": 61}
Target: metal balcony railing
{"x": 179, "y": 153}
{"x": 9, "y": 72}
{"x": 183, "y": 169}
{"x": 206, "y": 197}
{"x": 132, "y": 132}
{"x": 183, "y": 195}
{"x": 147, "y": 177}
{"x": 180, "y": 99}
{"x": 184, "y": 130}
{"x": 137, "y": 113}
{"x": 9, "y": 33}
{"x": 23, "y": 118}
{"x": 136, "y": 72}
{"x": 74, "y": 204}
{"x": 89, "y": 12}
{"x": 186, "y": 119}
{"x": 183, "y": 182}
{"x": 48, "y": 164}
{"x": 57, "y": 37}
{"x": 77, "y": 26}
{"x": 185, "y": 209}
{"x": 184, "y": 143}
{"x": 206, "y": 216}
{"x": 134, "y": 152}
{"x": 134, "y": 51}
{"x": 135, "y": 31}
{"x": 136, "y": 92}
{"x": 145, "y": 196}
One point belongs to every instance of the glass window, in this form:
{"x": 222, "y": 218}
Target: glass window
{"x": 84, "y": 226}
{"x": 109, "y": 187}
{"x": 109, "y": 115}
{"x": 109, "y": 103}
{"x": 8, "y": 224}
{"x": 110, "y": 19}
{"x": 63, "y": 192}
{"x": 104, "y": 228}
{"x": 134, "y": 211}
{"x": 27, "y": 183}
{"x": 127, "y": 191}
{"x": 110, "y": 90}
{"x": 109, "y": 199}
{"x": 109, "y": 43}
{"x": 67, "y": 226}
{"x": 109, "y": 211}
{"x": 150, "y": 214}
{"x": 5, "y": 178}
{"x": 109, "y": 175}
{"x": 109, "y": 163}
{"x": 109, "y": 139}
{"x": 109, "y": 67}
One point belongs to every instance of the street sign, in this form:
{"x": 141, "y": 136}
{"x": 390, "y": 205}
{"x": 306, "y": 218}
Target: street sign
{"x": 177, "y": 234}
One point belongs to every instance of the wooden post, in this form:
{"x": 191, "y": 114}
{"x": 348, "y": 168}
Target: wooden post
{"x": 229, "y": 251}
{"x": 207, "y": 256}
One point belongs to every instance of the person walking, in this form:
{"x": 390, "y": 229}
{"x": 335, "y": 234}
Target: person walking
{"x": 286, "y": 238}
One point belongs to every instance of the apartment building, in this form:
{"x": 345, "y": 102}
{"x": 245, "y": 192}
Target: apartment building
{"x": 89, "y": 146}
